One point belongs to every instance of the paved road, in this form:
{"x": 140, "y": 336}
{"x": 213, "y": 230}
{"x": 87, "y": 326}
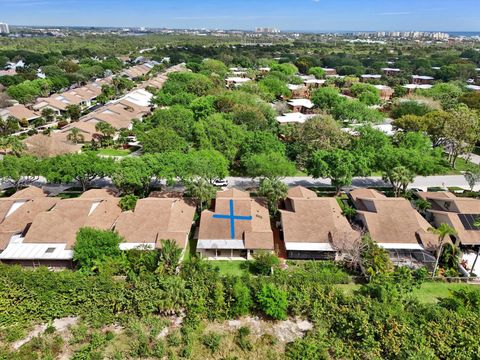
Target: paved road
{"x": 244, "y": 183}
{"x": 420, "y": 182}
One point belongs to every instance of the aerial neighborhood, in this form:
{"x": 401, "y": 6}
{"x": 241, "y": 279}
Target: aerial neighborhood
{"x": 237, "y": 194}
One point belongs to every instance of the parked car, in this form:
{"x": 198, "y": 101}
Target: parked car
{"x": 220, "y": 182}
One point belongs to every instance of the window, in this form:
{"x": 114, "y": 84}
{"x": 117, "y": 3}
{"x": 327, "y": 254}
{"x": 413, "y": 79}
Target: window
{"x": 49, "y": 250}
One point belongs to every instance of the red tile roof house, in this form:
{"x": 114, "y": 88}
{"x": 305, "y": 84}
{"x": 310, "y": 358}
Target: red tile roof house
{"x": 236, "y": 228}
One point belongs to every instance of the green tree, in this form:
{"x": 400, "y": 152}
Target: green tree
{"x": 274, "y": 190}
{"x": 202, "y": 191}
{"x": 443, "y": 231}
{"x": 273, "y": 301}
{"x": 400, "y": 177}
{"x": 19, "y": 171}
{"x": 8, "y": 126}
{"x": 83, "y": 168}
{"x": 317, "y": 71}
{"x": 170, "y": 256}
{"x": 48, "y": 114}
{"x": 274, "y": 87}
{"x": 73, "y": 112}
{"x": 366, "y": 93}
{"x": 133, "y": 175}
{"x": 207, "y": 164}
{"x": 106, "y": 130}
{"x": 271, "y": 165}
{"x": 462, "y": 133}
{"x": 161, "y": 140}
{"x": 264, "y": 263}
{"x": 337, "y": 165}
{"x": 94, "y": 245}
{"x": 472, "y": 175}
{"x": 75, "y": 136}
{"x": 128, "y": 202}
{"x": 327, "y": 98}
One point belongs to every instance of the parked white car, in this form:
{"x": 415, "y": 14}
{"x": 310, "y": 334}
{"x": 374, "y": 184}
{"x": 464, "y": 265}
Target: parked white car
{"x": 220, "y": 182}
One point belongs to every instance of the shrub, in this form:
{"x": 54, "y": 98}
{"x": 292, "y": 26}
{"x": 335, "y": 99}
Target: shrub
{"x": 93, "y": 245}
{"x": 264, "y": 262}
{"x": 128, "y": 202}
{"x": 242, "y": 339}
{"x": 273, "y": 302}
{"x": 212, "y": 341}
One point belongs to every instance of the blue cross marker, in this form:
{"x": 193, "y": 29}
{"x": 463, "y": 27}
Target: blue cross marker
{"x": 232, "y": 217}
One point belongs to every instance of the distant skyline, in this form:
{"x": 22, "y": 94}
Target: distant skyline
{"x": 301, "y": 15}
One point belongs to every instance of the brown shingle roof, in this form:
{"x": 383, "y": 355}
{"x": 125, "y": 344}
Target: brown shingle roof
{"x": 447, "y": 208}
{"x": 391, "y": 220}
{"x": 20, "y": 112}
{"x": 315, "y": 220}
{"x": 45, "y": 146}
{"x": 256, "y": 234}
{"x": 60, "y": 225}
{"x": 156, "y": 219}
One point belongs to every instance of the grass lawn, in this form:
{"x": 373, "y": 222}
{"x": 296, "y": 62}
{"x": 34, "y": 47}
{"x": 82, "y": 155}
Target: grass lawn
{"x": 460, "y": 165}
{"x": 227, "y": 267}
{"x": 430, "y": 291}
{"x": 114, "y": 152}
{"x": 427, "y": 294}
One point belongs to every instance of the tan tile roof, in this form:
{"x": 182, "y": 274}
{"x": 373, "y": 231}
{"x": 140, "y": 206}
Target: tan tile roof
{"x": 156, "y": 219}
{"x": 19, "y": 112}
{"x": 46, "y": 146}
{"x": 311, "y": 219}
{"x": 256, "y": 234}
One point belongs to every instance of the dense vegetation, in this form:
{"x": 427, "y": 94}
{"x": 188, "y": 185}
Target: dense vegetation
{"x": 381, "y": 320}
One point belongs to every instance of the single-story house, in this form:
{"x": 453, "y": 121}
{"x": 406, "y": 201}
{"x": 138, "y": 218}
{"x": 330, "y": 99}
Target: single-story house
{"x": 51, "y": 235}
{"x": 235, "y": 81}
{"x": 235, "y": 228}
{"x": 294, "y": 117}
{"x": 18, "y": 112}
{"x": 459, "y": 213}
{"x": 368, "y": 77}
{"x": 422, "y": 80}
{"x": 154, "y": 220}
{"x": 391, "y": 71}
{"x": 313, "y": 227}
{"x": 330, "y": 71}
{"x": 394, "y": 224}
{"x": 301, "y": 105}
{"x": 386, "y": 92}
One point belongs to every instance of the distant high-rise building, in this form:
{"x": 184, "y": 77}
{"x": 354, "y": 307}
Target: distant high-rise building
{"x": 4, "y": 28}
{"x": 267, "y": 30}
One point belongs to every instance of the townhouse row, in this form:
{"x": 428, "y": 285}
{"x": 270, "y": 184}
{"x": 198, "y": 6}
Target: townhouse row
{"x": 37, "y": 229}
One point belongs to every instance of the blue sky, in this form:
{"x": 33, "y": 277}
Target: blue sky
{"x": 448, "y": 15}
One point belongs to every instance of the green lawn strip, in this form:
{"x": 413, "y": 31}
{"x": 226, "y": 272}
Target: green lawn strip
{"x": 428, "y": 293}
{"x": 230, "y": 267}
{"x": 114, "y": 152}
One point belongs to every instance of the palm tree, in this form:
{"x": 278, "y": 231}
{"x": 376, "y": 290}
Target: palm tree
{"x": 443, "y": 231}
{"x": 106, "y": 130}
{"x": 75, "y": 136}
{"x": 170, "y": 257}
{"x": 273, "y": 190}
{"x": 48, "y": 114}
{"x": 477, "y": 222}
{"x": 400, "y": 177}
{"x": 201, "y": 190}
{"x": 11, "y": 144}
